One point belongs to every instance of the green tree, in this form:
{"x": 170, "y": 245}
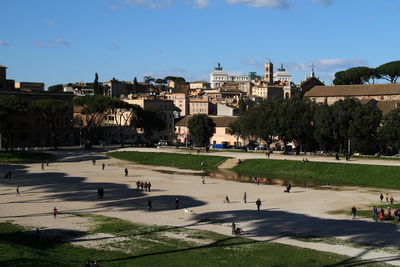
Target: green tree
{"x": 174, "y": 79}
{"x": 124, "y": 113}
{"x": 234, "y": 129}
{"x": 150, "y": 121}
{"x": 201, "y": 128}
{"x": 148, "y": 79}
{"x": 324, "y": 130}
{"x": 10, "y": 107}
{"x": 363, "y": 128}
{"x": 50, "y": 110}
{"x": 56, "y": 88}
{"x": 93, "y": 110}
{"x": 390, "y": 130}
{"x": 343, "y": 112}
{"x": 357, "y": 75}
{"x": 264, "y": 119}
{"x": 390, "y": 71}
{"x": 135, "y": 86}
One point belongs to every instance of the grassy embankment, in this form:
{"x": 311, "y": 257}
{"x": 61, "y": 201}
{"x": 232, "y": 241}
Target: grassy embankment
{"x": 184, "y": 161}
{"x": 322, "y": 173}
{"x": 141, "y": 245}
{"x": 19, "y": 157}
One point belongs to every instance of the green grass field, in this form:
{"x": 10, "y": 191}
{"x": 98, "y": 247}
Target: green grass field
{"x": 184, "y": 161}
{"x": 322, "y": 173}
{"x": 26, "y": 157}
{"x": 158, "y": 246}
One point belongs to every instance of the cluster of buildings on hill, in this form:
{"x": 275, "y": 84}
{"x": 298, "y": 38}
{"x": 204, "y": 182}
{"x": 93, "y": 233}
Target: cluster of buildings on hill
{"x": 177, "y": 101}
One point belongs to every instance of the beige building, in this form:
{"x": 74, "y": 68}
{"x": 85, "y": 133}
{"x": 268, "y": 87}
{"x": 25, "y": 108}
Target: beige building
{"x": 265, "y": 91}
{"x": 220, "y": 136}
{"x": 179, "y": 87}
{"x": 331, "y": 94}
{"x": 199, "y": 85}
{"x": 29, "y": 86}
{"x": 166, "y": 108}
{"x": 181, "y": 101}
{"x": 201, "y": 106}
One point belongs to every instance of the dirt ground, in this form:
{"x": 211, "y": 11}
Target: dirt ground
{"x": 71, "y": 183}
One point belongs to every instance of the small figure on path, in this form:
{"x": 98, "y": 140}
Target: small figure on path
{"x": 149, "y": 205}
{"x": 396, "y": 214}
{"x": 258, "y": 203}
{"x": 141, "y": 186}
{"x": 337, "y": 156}
{"x": 17, "y": 191}
{"x": 98, "y": 192}
{"x": 353, "y": 212}
{"x": 375, "y": 213}
{"x": 138, "y": 185}
{"x": 126, "y": 171}
{"x": 381, "y": 197}
{"x": 244, "y": 197}
{"x": 47, "y": 163}
{"x": 391, "y": 200}
{"x": 103, "y": 166}
{"x": 55, "y": 211}
{"x": 177, "y": 203}
{"x": 42, "y": 166}
{"x": 387, "y": 197}
{"x": 233, "y": 226}
{"x": 202, "y": 180}
{"x": 93, "y": 161}
{"x": 145, "y": 186}
{"x": 389, "y": 213}
{"x": 101, "y": 192}
{"x": 258, "y": 181}
{"x": 226, "y": 199}
{"x": 288, "y": 187}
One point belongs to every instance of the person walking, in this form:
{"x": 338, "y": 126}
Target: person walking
{"x": 387, "y": 197}
{"x": 353, "y": 212}
{"x": 93, "y": 162}
{"x": 103, "y": 166}
{"x": 375, "y": 214}
{"x": 55, "y": 212}
{"x": 18, "y": 191}
{"x": 101, "y": 192}
{"x": 176, "y": 203}
{"x": 391, "y": 200}
{"x": 258, "y": 203}
{"x": 244, "y": 197}
{"x": 233, "y": 226}
{"x": 226, "y": 199}
{"x": 381, "y": 197}
{"x": 149, "y": 205}
{"x": 145, "y": 186}
{"x": 149, "y": 186}
{"x": 42, "y": 166}
{"x": 126, "y": 171}
{"x": 202, "y": 180}
{"x": 258, "y": 181}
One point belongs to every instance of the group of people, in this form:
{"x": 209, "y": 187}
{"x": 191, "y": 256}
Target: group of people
{"x": 146, "y": 186}
{"x": 7, "y": 175}
{"x": 382, "y": 215}
{"x": 388, "y": 199}
{"x": 100, "y": 192}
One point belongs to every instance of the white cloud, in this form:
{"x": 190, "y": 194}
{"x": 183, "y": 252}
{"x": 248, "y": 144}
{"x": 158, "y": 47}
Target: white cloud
{"x": 200, "y": 3}
{"x": 252, "y": 62}
{"x": 49, "y": 22}
{"x": 324, "y": 2}
{"x": 153, "y": 4}
{"x": 39, "y": 44}
{"x": 62, "y": 41}
{"x": 3, "y": 43}
{"x": 281, "y": 4}
{"x": 338, "y": 63}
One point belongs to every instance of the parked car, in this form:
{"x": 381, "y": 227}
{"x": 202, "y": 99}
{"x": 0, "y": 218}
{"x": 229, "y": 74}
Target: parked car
{"x": 261, "y": 147}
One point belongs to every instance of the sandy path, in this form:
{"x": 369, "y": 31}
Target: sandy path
{"x": 71, "y": 186}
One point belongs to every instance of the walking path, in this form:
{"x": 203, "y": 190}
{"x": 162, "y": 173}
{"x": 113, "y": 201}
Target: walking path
{"x": 71, "y": 186}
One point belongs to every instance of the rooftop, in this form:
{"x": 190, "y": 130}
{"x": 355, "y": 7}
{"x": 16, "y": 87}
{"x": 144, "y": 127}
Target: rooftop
{"x": 355, "y": 90}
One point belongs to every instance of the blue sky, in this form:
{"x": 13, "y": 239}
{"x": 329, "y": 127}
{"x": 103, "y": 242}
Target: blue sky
{"x": 69, "y": 40}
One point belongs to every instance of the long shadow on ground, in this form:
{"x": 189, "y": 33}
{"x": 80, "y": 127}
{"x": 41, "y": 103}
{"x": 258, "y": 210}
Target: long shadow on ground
{"x": 277, "y": 222}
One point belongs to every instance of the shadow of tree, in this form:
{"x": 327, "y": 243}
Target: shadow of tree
{"x": 277, "y": 222}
